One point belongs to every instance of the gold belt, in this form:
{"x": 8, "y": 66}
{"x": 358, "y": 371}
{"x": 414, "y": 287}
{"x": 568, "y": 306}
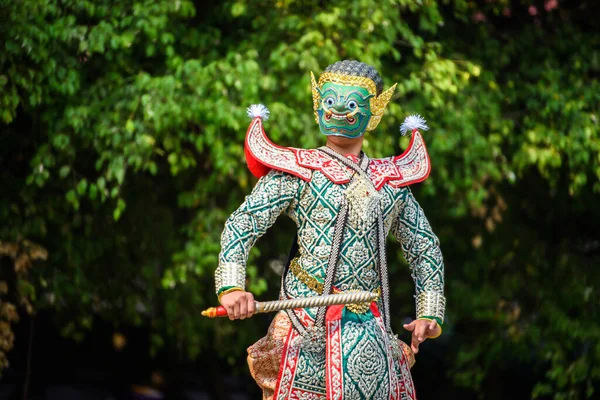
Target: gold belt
{"x": 316, "y": 285}
{"x": 310, "y": 281}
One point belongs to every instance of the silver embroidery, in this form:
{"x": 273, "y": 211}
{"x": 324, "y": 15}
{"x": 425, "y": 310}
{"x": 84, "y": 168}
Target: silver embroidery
{"x": 421, "y": 249}
{"x": 366, "y": 373}
{"x": 430, "y": 304}
{"x": 313, "y": 206}
{"x": 230, "y": 274}
{"x": 273, "y": 194}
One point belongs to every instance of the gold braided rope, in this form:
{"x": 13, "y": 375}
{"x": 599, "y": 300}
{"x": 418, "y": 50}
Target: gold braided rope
{"x": 378, "y": 103}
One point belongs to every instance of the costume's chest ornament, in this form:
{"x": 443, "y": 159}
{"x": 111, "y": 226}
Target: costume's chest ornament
{"x": 364, "y": 201}
{"x": 410, "y": 167}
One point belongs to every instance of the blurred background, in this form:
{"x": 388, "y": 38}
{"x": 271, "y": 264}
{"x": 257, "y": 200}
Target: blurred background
{"x": 121, "y": 155}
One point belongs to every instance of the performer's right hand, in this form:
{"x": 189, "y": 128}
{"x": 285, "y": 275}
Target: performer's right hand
{"x": 239, "y": 305}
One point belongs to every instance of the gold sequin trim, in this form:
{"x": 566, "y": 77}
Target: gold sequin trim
{"x": 310, "y": 281}
{"x": 348, "y": 80}
{"x": 358, "y": 308}
{"x": 378, "y": 106}
{"x": 316, "y": 285}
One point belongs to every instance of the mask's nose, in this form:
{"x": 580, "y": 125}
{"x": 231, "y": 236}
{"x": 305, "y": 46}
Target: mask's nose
{"x": 340, "y": 106}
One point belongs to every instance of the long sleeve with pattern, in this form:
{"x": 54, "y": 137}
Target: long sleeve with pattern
{"x": 421, "y": 249}
{"x": 270, "y": 197}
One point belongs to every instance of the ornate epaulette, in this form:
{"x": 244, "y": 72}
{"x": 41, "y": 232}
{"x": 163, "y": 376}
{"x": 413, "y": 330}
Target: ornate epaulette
{"x": 262, "y": 155}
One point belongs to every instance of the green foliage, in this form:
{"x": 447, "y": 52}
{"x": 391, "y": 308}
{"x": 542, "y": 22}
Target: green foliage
{"x": 123, "y": 128}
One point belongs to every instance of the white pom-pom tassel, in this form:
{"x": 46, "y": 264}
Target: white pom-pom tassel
{"x": 413, "y": 122}
{"x": 258, "y": 111}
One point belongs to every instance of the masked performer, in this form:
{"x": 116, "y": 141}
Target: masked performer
{"x": 344, "y": 205}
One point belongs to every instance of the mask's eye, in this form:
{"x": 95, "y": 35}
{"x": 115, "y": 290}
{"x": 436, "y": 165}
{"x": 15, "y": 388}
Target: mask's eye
{"x": 330, "y": 101}
{"x": 352, "y": 105}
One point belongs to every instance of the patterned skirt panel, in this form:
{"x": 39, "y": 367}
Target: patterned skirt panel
{"x": 357, "y": 363}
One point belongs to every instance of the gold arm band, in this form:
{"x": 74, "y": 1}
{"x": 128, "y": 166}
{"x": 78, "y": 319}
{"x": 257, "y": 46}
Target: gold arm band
{"x": 231, "y": 290}
{"x": 436, "y": 336}
{"x": 430, "y": 304}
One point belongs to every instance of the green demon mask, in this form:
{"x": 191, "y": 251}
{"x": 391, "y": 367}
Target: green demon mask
{"x": 348, "y": 99}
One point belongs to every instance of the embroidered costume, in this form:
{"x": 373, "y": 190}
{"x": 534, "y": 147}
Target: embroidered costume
{"x": 344, "y": 207}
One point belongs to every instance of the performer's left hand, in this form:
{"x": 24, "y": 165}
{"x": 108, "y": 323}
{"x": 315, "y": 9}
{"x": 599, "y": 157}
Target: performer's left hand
{"x": 421, "y": 330}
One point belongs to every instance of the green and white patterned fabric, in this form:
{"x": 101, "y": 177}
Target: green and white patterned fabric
{"x": 313, "y": 206}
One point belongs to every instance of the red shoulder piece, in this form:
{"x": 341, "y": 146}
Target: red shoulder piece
{"x": 410, "y": 167}
{"x": 414, "y": 164}
{"x": 262, "y": 155}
